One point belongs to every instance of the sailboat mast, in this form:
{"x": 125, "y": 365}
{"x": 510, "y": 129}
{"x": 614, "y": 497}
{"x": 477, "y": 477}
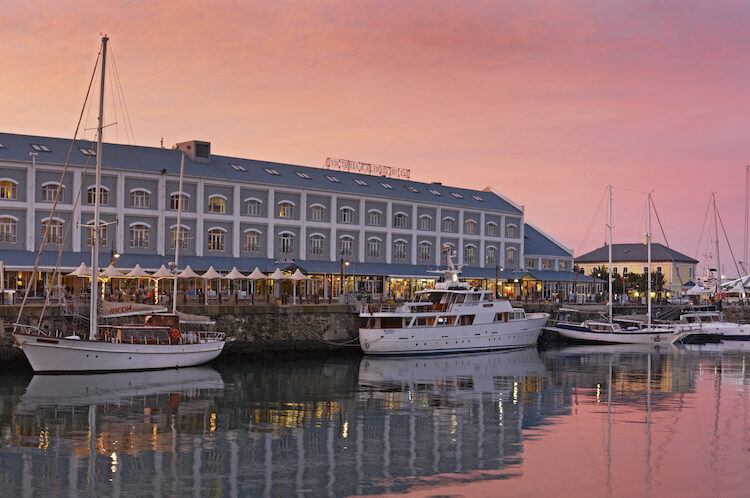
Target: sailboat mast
{"x": 94, "y": 312}
{"x": 648, "y": 250}
{"x": 609, "y": 278}
{"x": 747, "y": 215}
{"x": 177, "y": 238}
{"x": 718, "y": 256}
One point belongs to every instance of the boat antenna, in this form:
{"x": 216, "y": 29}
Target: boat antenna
{"x": 94, "y": 312}
{"x": 609, "y": 273}
{"x": 716, "y": 232}
{"x": 177, "y": 238}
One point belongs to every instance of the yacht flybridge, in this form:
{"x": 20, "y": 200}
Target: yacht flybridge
{"x": 453, "y": 317}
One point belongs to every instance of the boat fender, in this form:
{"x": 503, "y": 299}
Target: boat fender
{"x": 46, "y": 327}
{"x": 175, "y": 334}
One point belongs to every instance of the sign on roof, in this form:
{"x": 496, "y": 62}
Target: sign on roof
{"x": 367, "y": 168}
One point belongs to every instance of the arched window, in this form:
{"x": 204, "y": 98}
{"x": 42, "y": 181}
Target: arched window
{"x": 286, "y": 243}
{"x": 182, "y": 236}
{"x": 470, "y": 254}
{"x": 346, "y": 215}
{"x": 400, "y": 220}
{"x": 103, "y": 232}
{"x": 252, "y": 241}
{"x": 8, "y": 189}
{"x": 449, "y": 224}
{"x": 470, "y": 226}
{"x": 490, "y": 255}
{"x": 253, "y": 207}
{"x": 217, "y": 204}
{"x": 317, "y": 244}
{"x": 216, "y": 239}
{"x": 8, "y": 229}
{"x": 103, "y": 195}
{"x": 179, "y": 201}
{"x": 55, "y": 234}
{"x": 49, "y": 191}
{"x": 510, "y": 256}
{"x": 425, "y": 251}
{"x": 140, "y": 198}
{"x": 346, "y": 246}
{"x": 317, "y": 212}
{"x": 399, "y": 249}
{"x": 374, "y": 217}
{"x": 511, "y": 231}
{"x": 286, "y": 209}
{"x": 139, "y": 235}
{"x": 374, "y": 248}
{"x": 425, "y": 222}
{"x": 492, "y": 228}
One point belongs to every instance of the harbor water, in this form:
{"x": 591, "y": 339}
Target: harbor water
{"x": 592, "y": 421}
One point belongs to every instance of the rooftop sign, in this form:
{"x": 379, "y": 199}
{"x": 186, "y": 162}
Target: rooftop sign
{"x": 367, "y": 168}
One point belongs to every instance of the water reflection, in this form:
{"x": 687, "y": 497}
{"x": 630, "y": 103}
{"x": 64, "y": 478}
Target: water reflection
{"x": 373, "y": 425}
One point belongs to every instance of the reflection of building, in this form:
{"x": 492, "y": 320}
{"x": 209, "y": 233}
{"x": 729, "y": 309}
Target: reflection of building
{"x": 246, "y": 213}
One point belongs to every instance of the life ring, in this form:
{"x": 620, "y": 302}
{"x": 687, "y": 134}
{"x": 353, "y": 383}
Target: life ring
{"x": 175, "y": 334}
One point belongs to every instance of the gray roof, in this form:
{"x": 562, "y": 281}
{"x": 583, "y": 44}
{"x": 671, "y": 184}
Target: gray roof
{"x": 155, "y": 160}
{"x": 536, "y": 243}
{"x": 634, "y": 252}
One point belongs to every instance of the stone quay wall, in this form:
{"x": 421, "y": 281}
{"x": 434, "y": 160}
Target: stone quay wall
{"x": 258, "y": 331}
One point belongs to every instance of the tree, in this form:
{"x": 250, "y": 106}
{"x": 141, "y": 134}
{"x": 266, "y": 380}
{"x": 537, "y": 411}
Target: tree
{"x": 602, "y": 273}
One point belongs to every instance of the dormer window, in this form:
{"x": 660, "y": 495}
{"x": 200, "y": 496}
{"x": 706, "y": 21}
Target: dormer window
{"x": 40, "y": 148}
{"x": 477, "y": 198}
{"x": 411, "y": 189}
{"x": 434, "y": 192}
{"x": 360, "y": 182}
{"x": 333, "y": 179}
{"x": 271, "y": 171}
{"x": 87, "y": 152}
{"x": 457, "y": 195}
{"x": 237, "y": 167}
{"x": 386, "y": 185}
{"x": 303, "y": 175}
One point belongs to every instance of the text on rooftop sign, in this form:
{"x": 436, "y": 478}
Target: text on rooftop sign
{"x": 367, "y": 168}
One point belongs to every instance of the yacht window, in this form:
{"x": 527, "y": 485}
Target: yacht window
{"x": 460, "y": 298}
{"x": 446, "y": 320}
{"x": 466, "y": 320}
{"x": 391, "y": 323}
{"x": 421, "y": 321}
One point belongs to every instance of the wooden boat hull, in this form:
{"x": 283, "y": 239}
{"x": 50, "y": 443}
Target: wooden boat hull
{"x": 580, "y": 334}
{"x": 53, "y": 354}
{"x": 453, "y": 339}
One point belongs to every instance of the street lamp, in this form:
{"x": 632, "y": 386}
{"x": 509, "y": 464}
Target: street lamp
{"x": 113, "y": 256}
{"x": 344, "y": 262}
{"x": 498, "y": 269}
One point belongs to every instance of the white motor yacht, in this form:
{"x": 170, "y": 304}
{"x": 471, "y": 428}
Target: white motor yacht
{"x": 453, "y": 317}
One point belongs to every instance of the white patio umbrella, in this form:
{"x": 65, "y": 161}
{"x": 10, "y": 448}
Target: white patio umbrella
{"x": 110, "y": 272}
{"x": 297, "y": 276}
{"x": 188, "y": 273}
{"x": 278, "y": 275}
{"x": 210, "y": 274}
{"x": 81, "y": 271}
{"x": 138, "y": 272}
{"x": 256, "y": 275}
{"x": 235, "y": 275}
{"x": 162, "y": 272}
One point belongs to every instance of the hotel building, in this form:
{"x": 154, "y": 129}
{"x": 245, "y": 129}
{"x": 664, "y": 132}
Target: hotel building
{"x": 248, "y": 213}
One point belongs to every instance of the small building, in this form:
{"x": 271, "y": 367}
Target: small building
{"x": 676, "y": 268}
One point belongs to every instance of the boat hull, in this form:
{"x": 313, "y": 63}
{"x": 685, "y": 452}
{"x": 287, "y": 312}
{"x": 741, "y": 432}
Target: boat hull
{"x": 48, "y": 354}
{"x": 453, "y": 339}
{"x": 583, "y": 335}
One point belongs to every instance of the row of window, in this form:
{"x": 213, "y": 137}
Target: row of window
{"x": 141, "y": 198}
{"x": 139, "y": 238}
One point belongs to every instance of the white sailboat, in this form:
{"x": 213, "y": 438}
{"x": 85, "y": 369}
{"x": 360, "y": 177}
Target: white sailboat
{"x": 608, "y": 331}
{"x": 453, "y": 317}
{"x": 161, "y": 341}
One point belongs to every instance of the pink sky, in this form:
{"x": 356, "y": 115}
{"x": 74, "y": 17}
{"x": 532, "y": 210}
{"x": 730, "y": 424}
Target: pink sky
{"x": 546, "y": 101}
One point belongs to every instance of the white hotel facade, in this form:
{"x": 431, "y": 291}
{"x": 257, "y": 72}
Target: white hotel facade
{"x": 248, "y": 213}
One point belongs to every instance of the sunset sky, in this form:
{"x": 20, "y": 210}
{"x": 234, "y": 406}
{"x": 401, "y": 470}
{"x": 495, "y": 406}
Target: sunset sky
{"x": 546, "y": 101}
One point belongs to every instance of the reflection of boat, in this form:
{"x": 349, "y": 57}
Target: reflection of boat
{"x": 481, "y": 368}
{"x": 95, "y": 389}
{"x": 453, "y": 317}
{"x": 592, "y": 349}
{"x": 162, "y": 341}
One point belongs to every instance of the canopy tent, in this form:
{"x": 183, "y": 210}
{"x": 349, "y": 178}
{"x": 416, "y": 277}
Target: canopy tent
{"x": 210, "y": 274}
{"x": 138, "y": 272}
{"x": 110, "y": 272}
{"x": 697, "y": 290}
{"x": 81, "y": 271}
{"x": 256, "y": 275}
{"x": 278, "y": 275}
{"x": 188, "y": 273}
{"x": 162, "y": 272}
{"x": 234, "y": 274}
{"x": 297, "y": 276}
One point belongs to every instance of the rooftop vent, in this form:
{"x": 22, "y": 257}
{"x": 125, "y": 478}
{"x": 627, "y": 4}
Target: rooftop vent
{"x": 197, "y": 151}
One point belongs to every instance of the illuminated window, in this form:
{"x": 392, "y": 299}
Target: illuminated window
{"x": 286, "y": 209}
{"x": 217, "y": 204}
{"x": 8, "y": 229}
{"x": 8, "y": 189}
